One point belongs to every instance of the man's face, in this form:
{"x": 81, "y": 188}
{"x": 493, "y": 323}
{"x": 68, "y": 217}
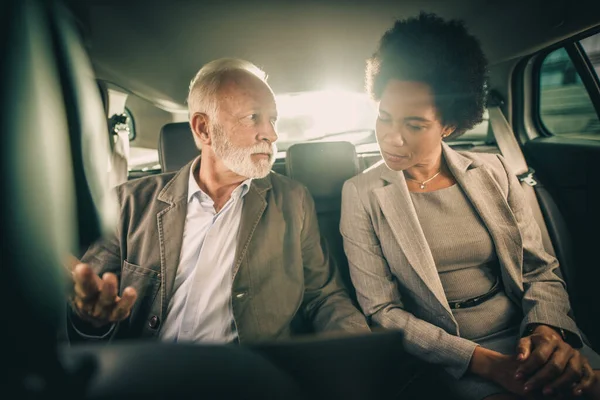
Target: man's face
{"x": 243, "y": 135}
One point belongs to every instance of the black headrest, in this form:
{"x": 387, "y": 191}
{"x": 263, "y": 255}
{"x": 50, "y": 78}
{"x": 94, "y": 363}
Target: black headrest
{"x": 322, "y": 167}
{"x": 176, "y": 146}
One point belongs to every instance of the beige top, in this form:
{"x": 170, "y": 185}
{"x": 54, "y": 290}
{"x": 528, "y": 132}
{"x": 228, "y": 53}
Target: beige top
{"x": 465, "y": 258}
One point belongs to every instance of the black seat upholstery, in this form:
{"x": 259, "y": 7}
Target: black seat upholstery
{"x": 176, "y": 146}
{"x": 323, "y": 168}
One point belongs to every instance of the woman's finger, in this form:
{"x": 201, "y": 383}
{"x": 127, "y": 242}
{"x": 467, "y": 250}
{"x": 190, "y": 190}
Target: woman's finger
{"x": 551, "y": 370}
{"x": 570, "y": 376}
{"x": 587, "y": 381}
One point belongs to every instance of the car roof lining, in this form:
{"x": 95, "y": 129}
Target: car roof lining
{"x": 153, "y": 48}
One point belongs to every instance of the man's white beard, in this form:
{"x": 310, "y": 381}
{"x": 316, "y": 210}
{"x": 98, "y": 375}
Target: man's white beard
{"x": 239, "y": 159}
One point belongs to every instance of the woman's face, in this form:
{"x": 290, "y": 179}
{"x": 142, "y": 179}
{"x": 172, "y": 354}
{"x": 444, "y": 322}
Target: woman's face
{"x": 408, "y": 130}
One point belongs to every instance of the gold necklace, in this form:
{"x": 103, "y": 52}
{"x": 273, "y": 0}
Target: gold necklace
{"x": 425, "y": 182}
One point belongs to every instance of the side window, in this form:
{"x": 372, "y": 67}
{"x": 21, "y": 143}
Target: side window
{"x": 565, "y": 106}
{"x": 591, "y": 45}
{"x": 479, "y": 132}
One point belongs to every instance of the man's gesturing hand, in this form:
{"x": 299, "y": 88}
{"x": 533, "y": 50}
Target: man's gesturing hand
{"x": 95, "y": 299}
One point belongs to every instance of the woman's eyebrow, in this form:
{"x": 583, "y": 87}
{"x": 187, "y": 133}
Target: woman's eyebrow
{"x": 419, "y": 119}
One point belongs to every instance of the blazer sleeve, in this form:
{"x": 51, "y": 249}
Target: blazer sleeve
{"x": 545, "y": 299}
{"x": 103, "y": 256}
{"x": 379, "y": 296}
{"x": 326, "y": 302}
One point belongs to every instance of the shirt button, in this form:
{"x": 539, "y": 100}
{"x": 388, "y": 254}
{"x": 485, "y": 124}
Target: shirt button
{"x": 240, "y": 295}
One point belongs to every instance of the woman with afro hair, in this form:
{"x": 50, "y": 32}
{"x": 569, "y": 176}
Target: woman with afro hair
{"x": 442, "y": 245}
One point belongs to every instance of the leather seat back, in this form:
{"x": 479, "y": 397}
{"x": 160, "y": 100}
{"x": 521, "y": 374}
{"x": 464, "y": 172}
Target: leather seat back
{"x": 323, "y": 168}
{"x": 176, "y": 146}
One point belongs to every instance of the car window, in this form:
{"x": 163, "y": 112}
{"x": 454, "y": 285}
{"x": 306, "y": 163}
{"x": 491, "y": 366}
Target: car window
{"x": 478, "y": 132}
{"x": 338, "y": 116}
{"x": 565, "y": 106}
{"x": 329, "y": 115}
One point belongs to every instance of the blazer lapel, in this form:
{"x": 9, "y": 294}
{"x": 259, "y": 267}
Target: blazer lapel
{"x": 489, "y": 202}
{"x": 396, "y": 204}
{"x": 253, "y": 209}
{"x": 171, "y": 221}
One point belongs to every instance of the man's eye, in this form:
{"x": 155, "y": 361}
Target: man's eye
{"x": 383, "y": 119}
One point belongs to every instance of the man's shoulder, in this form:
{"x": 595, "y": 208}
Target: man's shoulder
{"x": 147, "y": 187}
{"x": 285, "y": 185}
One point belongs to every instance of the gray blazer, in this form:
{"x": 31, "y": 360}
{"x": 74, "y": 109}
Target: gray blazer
{"x": 281, "y": 270}
{"x": 394, "y": 273}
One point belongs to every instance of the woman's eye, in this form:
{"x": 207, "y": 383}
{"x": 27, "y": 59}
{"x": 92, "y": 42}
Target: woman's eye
{"x": 416, "y": 128}
{"x": 383, "y": 119}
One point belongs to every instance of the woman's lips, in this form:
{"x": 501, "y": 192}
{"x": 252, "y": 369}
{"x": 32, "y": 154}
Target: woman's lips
{"x": 395, "y": 157}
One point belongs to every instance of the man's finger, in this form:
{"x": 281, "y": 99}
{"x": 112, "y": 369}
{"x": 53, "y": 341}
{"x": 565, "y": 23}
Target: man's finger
{"x": 124, "y": 305}
{"x": 571, "y": 374}
{"x": 586, "y": 382}
{"x": 105, "y": 302}
{"x": 550, "y": 371}
{"x": 537, "y": 359}
{"x": 524, "y": 348}
{"x": 87, "y": 283}
{"x": 71, "y": 262}
{"x": 108, "y": 295}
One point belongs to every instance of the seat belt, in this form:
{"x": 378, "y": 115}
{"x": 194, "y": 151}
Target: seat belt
{"x": 510, "y": 149}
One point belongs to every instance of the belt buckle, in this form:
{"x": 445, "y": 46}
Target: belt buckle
{"x": 467, "y": 303}
{"x": 475, "y": 300}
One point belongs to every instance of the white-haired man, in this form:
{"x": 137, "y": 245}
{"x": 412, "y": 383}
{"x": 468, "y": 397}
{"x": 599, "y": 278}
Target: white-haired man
{"x": 221, "y": 251}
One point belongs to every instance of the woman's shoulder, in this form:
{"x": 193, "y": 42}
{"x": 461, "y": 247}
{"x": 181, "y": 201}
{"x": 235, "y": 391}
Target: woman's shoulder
{"x": 494, "y": 163}
{"x": 481, "y": 157}
{"x": 369, "y": 178}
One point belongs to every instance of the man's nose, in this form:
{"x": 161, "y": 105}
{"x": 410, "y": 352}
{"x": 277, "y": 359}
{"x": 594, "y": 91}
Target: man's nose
{"x": 268, "y": 133}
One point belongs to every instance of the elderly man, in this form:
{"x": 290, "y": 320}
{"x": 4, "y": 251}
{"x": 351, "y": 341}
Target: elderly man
{"x": 223, "y": 250}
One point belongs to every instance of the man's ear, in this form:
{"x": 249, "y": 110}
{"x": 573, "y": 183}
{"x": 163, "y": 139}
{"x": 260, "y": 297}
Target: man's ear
{"x": 199, "y": 124}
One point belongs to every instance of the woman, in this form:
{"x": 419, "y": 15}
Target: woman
{"x": 442, "y": 245}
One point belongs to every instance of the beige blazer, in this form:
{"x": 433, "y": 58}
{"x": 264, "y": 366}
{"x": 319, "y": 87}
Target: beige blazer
{"x": 394, "y": 273}
{"x": 281, "y": 274}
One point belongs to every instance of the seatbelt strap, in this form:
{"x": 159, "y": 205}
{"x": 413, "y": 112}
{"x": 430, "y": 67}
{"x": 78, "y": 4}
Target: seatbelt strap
{"x": 510, "y": 149}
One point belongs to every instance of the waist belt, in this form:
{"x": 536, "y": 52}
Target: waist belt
{"x": 475, "y": 301}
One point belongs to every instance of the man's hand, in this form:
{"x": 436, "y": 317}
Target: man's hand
{"x": 95, "y": 299}
{"x": 551, "y": 365}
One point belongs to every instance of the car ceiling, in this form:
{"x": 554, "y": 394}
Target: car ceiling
{"x": 153, "y": 48}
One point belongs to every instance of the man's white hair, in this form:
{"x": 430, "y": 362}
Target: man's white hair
{"x": 202, "y": 96}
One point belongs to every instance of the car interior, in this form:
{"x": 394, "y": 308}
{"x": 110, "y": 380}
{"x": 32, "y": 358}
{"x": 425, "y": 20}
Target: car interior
{"x": 93, "y": 83}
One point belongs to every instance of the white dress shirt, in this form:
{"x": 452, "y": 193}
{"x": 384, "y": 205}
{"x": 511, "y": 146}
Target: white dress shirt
{"x": 200, "y": 308}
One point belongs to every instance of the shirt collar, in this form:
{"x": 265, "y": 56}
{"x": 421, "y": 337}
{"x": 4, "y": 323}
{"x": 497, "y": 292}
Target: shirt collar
{"x": 194, "y": 188}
